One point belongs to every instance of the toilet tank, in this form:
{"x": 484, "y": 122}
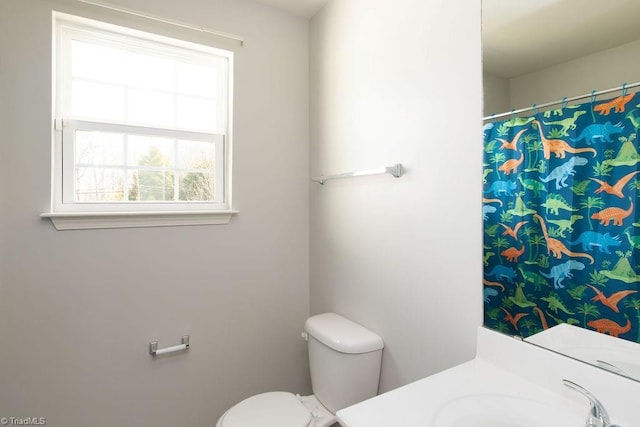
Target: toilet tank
{"x": 344, "y": 359}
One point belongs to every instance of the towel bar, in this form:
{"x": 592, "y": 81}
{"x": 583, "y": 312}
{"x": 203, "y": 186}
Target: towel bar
{"x": 155, "y": 351}
{"x": 396, "y": 170}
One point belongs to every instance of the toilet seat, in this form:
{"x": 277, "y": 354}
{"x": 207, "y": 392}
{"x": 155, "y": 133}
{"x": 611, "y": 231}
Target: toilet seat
{"x": 277, "y": 409}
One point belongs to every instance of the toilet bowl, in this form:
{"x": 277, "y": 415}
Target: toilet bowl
{"x": 344, "y": 359}
{"x": 278, "y": 409}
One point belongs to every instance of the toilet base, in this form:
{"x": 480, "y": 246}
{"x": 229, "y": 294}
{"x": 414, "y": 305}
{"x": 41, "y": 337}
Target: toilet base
{"x": 321, "y": 415}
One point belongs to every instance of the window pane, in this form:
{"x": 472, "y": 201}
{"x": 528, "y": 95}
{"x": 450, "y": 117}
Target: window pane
{"x": 150, "y": 151}
{"x": 152, "y": 108}
{"x": 145, "y": 71}
{"x": 197, "y": 80}
{"x": 149, "y": 186}
{"x": 99, "y": 148}
{"x": 196, "y": 186}
{"x": 197, "y": 114}
{"x": 196, "y": 155}
{"x": 94, "y": 62}
{"x": 99, "y": 185}
{"x": 144, "y": 120}
{"x": 97, "y": 101}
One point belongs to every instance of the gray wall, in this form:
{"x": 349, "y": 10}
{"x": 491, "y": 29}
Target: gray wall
{"x": 78, "y": 308}
{"x": 603, "y": 70}
{"x": 396, "y": 82}
{"x": 599, "y": 71}
{"x": 496, "y": 94}
{"x": 390, "y": 82}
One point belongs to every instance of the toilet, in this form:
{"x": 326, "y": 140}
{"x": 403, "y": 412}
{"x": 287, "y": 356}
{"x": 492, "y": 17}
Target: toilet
{"x": 344, "y": 359}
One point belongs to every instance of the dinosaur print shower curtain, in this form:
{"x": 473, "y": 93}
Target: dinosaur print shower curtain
{"x": 561, "y": 222}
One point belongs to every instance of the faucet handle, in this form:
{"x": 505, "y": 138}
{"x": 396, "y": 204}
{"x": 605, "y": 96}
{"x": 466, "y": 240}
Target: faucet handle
{"x": 598, "y": 416}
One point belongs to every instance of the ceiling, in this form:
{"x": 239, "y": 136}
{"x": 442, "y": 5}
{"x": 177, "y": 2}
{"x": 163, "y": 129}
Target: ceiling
{"x": 519, "y": 37}
{"x": 304, "y": 8}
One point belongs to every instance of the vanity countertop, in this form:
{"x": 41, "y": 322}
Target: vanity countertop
{"x": 504, "y": 368}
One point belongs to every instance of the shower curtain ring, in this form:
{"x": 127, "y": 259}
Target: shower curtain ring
{"x": 593, "y": 96}
{"x": 564, "y": 102}
{"x": 624, "y": 89}
{"x": 534, "y": 107}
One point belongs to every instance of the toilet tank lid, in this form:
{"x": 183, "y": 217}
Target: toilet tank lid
{"x": 342, "y": 334}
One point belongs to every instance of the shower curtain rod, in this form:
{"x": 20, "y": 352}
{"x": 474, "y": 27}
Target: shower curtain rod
{"x": 561, "y": 101}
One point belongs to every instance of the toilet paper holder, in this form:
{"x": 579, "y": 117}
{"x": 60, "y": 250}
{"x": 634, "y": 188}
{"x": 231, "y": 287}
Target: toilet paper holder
{"x": 155, "y": 351}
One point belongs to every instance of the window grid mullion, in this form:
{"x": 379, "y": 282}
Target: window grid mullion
{"x": 127, "y": 91}
{"x": 126, "y": 171}
{"x": 105, "y": 126}
{"x": 143, "y": 168}
{"x": 176, "y": 180}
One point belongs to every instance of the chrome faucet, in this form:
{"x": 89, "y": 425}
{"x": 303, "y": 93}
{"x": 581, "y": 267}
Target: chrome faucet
{"x": 598, "y": 416}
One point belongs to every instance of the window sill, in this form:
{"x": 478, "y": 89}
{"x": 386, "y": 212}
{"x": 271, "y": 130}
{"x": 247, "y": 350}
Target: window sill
{"x": 94, "y": 220}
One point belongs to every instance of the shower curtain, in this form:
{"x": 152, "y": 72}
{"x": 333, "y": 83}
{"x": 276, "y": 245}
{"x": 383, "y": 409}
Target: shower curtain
{"x": 561, "y": 229}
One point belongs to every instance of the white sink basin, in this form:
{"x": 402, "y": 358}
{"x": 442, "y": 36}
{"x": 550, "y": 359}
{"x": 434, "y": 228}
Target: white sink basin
{"x": 496, "y": 410}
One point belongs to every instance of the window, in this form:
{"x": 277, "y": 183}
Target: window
{"x": 142, "y": 125}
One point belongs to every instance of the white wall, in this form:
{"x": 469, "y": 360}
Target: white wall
{"x": 603, "y": 70}
{"x": 397, "y": 82}
{"x": 78, "y": 308}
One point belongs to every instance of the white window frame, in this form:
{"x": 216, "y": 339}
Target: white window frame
{"x": 65, "y": 212}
